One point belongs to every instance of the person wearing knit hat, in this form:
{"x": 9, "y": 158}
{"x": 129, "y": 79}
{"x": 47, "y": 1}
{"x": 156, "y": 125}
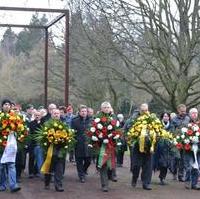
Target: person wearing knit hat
{"x": 8, "y": 157}
{"x": 6, "y": 101}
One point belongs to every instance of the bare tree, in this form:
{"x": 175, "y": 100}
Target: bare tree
{"x": 158, "y": 42}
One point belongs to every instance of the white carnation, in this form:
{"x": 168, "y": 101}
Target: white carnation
{"x": 195, "y": 128}
{"x": 89, "y": 145}
{"x": 100, "y": 135}
{"x": 117, "y": 124}
{"x": 105, "y": 141}
{"x": 195, "y": 140}
{"x": 94, "y": 138}
{"x": 189, "y": 125}
{"x": 186, "y": 141}
{"x": 184, "y": 130}
{"x": 175, "y": 142}
{"x": 97, "y": 120}
{"x": 110, "y": 135}
{"x": 183, "y": 136}
{"x": 177, "y": 137}
{"x": 109, "y": 127}
{"x": 197, "y": 133}
{"x": 92, "y": 129}
{"x": 99, "y": 126}
{"x": 116, "y": 137}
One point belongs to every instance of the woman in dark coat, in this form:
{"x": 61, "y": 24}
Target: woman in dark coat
{"x": 162, "y": 153}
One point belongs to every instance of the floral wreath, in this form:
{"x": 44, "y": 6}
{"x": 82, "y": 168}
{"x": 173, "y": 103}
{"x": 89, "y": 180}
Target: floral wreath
{"x": 54, "y": 133}
{"x": 12, "y": 122}
{"x": 104, "y": 129}
{"x": 104, "y": 134}
{"x": 187, "y": 137}
{"x": 147, "y": 126}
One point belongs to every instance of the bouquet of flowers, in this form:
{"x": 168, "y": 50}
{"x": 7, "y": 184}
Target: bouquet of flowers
{"x": 104, "y": 134}
{"x": 54, "y": 134}
{"x": 187, "y": 137}
{"x": 104, "y": 129}
{"x": 12, "y": 122}
{"x": 147, "y": 127}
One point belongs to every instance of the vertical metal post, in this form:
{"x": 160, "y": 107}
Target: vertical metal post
{"x": 66, "y": 93}
{"x": 46, "y": 67}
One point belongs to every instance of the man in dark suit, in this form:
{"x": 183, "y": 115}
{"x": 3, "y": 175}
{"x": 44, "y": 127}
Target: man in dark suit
{"x": 82, "y": 154}
{"x": 142, "y": 160}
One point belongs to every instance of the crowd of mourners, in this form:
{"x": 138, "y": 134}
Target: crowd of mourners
{"x": 164, "y": 158}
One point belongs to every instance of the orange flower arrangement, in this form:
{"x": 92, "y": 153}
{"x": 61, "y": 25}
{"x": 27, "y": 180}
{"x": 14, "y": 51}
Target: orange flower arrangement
{"x": 12, "y": 122}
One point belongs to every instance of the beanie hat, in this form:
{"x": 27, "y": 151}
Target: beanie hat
{"x": 5, "y": 101}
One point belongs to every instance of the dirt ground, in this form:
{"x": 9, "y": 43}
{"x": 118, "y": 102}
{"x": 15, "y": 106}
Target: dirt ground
{"x": 34, "y": 188}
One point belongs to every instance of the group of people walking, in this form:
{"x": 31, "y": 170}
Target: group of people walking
{"x": 165, "y": 157}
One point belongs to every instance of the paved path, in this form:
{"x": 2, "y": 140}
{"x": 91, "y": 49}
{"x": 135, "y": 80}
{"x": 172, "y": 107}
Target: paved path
{"x": 34, "y": 188}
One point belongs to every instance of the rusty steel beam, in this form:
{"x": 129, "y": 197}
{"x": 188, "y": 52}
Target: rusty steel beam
{"x": 66, "y": 61}
{"x": 66, "y": 97}
{"x": 22, "y": 26}
{"x": 55, "y": 20}
{"x": 32, "y": 9}
{"x": 46, "y": 67}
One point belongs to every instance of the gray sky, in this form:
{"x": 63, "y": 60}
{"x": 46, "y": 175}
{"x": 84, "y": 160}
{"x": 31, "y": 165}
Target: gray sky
{"x": 24, "y": 17}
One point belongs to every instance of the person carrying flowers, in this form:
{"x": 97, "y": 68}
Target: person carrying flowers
{"x": 178, "y": 122}
{"x": 104, "y": 135}
{"x": 188, "y": 141}
{"x": 146, "y": 130}
{"x": 56, "y": 138}
{"x": 12, "y": 135}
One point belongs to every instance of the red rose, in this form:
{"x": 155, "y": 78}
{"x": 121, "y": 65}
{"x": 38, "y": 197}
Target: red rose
{"x": 4, "y": 132}
{"x": 113, "y": 122}
{"x": 104, "y": 130}
{"x": 94, "y": 124}
{"x": 89, "y": 133}
{"x": 103, "y": 119}
{"x": 187, "y": 147}
{"x": 97, "y": 133}
{"x": 179, "y": 146}
{"x": 189, "y": 132}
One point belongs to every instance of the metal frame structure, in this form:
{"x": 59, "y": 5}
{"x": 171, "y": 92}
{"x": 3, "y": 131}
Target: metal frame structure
{"x": 63, "y": 13}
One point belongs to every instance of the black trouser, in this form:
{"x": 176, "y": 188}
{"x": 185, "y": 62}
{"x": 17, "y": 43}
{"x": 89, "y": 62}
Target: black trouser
{"x": 120, "y": 157}
{"x": 57, "y": 169}
{"x": 178, "y": 166}
{"x": 145, "y": 161}
{"x": 71, "y": 155}
{"x": 19, "y": 164}
{"x": 163, "y": 173}
{"x": 32, "y": 169}
{"x": 82, "y": 164}
{"x": 111, "y": 173}
{"x": 104, "y": 176}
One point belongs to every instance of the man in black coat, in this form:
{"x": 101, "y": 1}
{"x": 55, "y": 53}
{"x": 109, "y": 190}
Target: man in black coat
{"x": 82, "y": 154}
{"x": 142, "y": 160}
{"x": 35, "y": 151}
